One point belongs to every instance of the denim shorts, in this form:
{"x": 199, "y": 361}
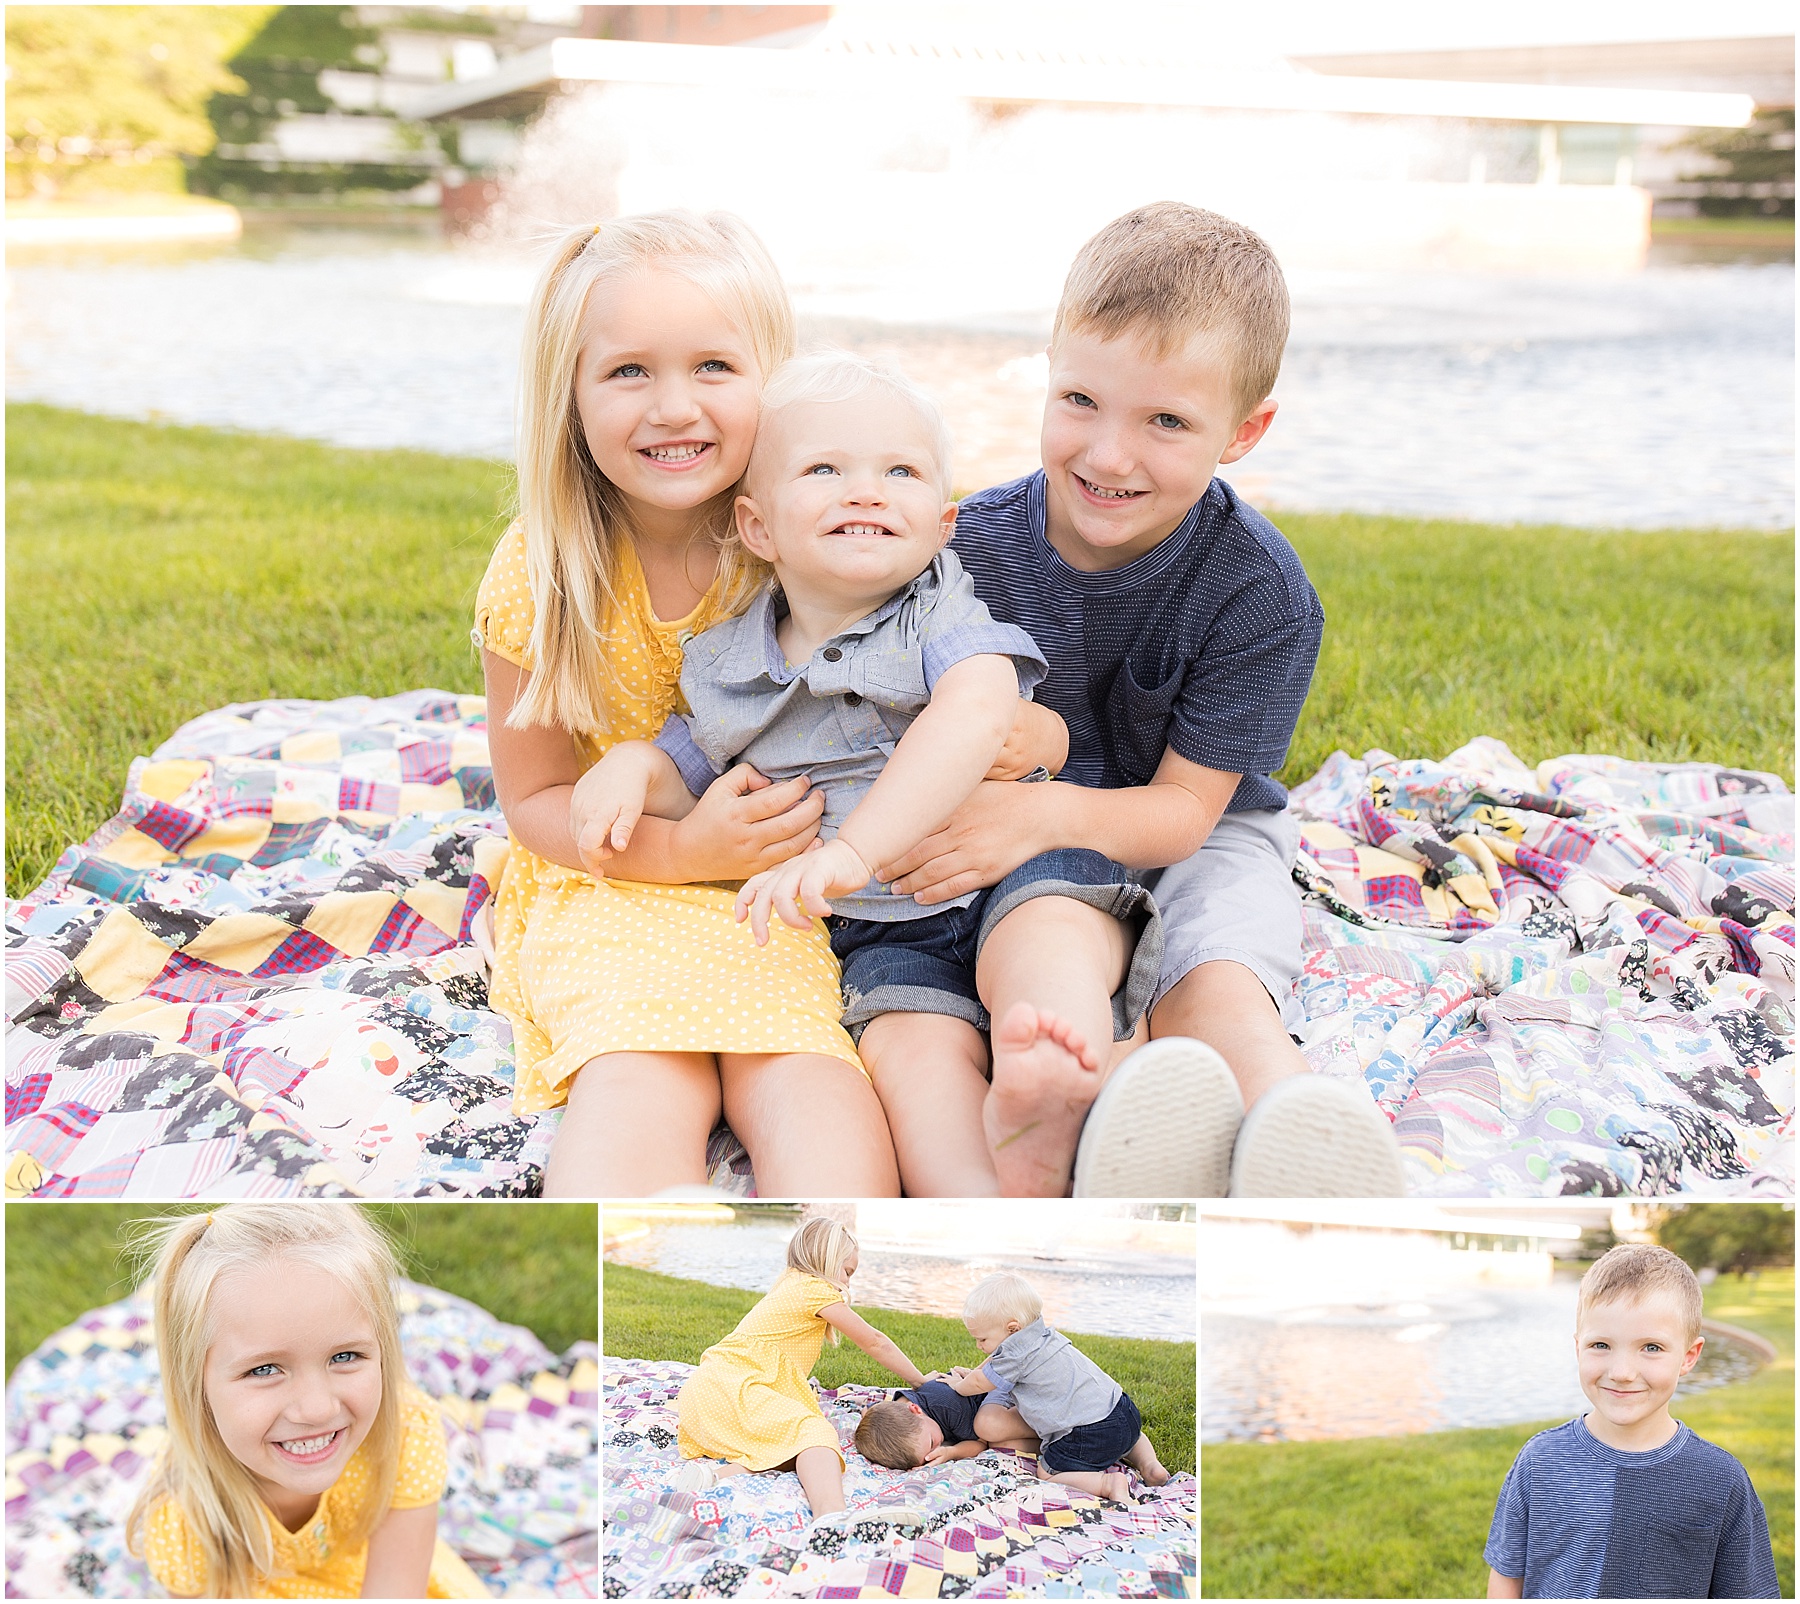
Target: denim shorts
{"x": 927, "y": 965}
{"x": 1097, "y": 1445}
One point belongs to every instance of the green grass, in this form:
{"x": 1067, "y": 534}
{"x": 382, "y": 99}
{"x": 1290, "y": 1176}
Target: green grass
{"x": 1407, "y": 1517}
{"x": 531, "y": 1264}
{"x": 157, "y": 572}
{"x": 651, "y": 1316}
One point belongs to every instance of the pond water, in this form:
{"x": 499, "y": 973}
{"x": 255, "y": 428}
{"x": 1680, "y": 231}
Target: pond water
{"x": 1122, "y": 1293}
{"x": 1663, "y": 398}
{"x": 1467, "y": 1358}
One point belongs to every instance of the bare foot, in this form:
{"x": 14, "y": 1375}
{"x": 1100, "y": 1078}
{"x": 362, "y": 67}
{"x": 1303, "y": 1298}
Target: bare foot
{"x": 1155, "y": 1476}
{"x": 1116, "y": 1485}
{"x": 728, "y": 1469}
{"x": 1045, "y": 1078}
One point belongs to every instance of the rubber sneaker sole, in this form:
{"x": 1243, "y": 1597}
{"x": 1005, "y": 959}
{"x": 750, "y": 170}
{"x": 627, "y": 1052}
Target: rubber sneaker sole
{"x": 1162, "y": 1126}
{"x": 1311, "y": 1136}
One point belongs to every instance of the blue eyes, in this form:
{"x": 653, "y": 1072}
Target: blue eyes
{"x": 637, "y": 370}
{"x": 1168, "y": 420}
{"x": 263, "y": 1371}
{"x": 1162, "y": 420}
{"x": 1079, "y": 399}
{"x": 819, "y": 469}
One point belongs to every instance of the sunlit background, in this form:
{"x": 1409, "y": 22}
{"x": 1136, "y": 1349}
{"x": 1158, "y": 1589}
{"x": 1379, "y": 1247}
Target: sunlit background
{"x": 1123, "y": 1269}
{"x": 1541, "y": 268}
{"x": 1357, "y": 1319}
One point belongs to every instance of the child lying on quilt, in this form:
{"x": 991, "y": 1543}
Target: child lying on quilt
{"x": 1084, "y": 1420}
{"x": 932, "y": 1423}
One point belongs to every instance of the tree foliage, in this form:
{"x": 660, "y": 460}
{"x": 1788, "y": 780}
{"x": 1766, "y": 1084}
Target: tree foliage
{"x": 1749, "y": 171}
{"x": 1728, "y": 1236}
{"x": 97, "y": 93}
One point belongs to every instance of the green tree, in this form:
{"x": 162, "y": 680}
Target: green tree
{"x": 1728, "y": 1236}
{"x": 108, "y": 98}
{"x": 1750, "y": 171}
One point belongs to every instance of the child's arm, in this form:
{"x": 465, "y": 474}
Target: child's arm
{"x": 999, "y": 827}
{"x": 400, "y": 1553}
{"x": 938, "y": 762}
{"x": 944, "y": 1452}
{"x": 742, "y": 825}
{"x": 1038, "y": 739}
{"x": 877, "y": 1345}
{"x": 633, "y": 778}
{"x": 970, "y": 1383}
{"x": 1505, "y": 1586}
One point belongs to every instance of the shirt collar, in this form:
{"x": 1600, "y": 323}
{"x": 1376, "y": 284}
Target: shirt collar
{"x": 755, "y": 652}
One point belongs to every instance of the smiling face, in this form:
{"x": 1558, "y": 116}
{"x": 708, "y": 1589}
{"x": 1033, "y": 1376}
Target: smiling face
{"x": 844, "y": 501}
{"x": 667, "y": 389}
{"x": 1631, "y": 1352}
{"x": 989, "y": 1334}
{"x": 293, "y": 1378}
{"x": 1131, "y": 441}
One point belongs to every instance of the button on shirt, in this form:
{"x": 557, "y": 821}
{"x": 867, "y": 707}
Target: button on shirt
{"x": 1579, "y": 1519}
{"x": 839, "y": 715}
{"x": 1056, "y": 1387}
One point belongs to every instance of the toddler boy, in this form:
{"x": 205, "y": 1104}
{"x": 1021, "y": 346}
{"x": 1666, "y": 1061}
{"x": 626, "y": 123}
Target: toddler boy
{"x": 1181, "y": 633}
{"x": 1084, "y": 1420}
{"x": 1625, "y": 1501}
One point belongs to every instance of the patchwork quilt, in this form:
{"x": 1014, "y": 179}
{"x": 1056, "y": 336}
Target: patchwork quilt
{"x": 263, "y": 976}
{"x": 1571, "y": 979}
{"x": 993, "y": 1529}
{"x": 84, "y": 1419}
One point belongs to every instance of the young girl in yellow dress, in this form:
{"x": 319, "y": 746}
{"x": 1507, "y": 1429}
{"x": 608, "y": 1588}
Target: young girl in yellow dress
{"x": 635, "y": 997}
{"x": 301, "y": 1462}
{"x": 747, "y": 1402}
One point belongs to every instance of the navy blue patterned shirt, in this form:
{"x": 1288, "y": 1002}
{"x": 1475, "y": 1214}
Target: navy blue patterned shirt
{"x": 1577, "y": 1519}
{"x": 1205, "y": 644}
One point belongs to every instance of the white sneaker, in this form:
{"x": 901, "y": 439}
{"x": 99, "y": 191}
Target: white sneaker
{"x": 1162, "y": 1125}
{"x": 1313, "y": 1136}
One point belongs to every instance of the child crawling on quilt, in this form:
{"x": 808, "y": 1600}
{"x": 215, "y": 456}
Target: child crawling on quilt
{"x": 871, "y": 667}
{"x": 1083, "y": 1420}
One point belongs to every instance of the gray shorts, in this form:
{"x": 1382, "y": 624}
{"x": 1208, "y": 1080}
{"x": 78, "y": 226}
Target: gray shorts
{"x": 1235, "y": 899}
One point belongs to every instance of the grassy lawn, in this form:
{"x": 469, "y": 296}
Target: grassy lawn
{"x": 157, "y": 572}
{"x": 651, "y": 1316}
{"x": 532, "y": 1264}
{"x": 1407, "y": 1517}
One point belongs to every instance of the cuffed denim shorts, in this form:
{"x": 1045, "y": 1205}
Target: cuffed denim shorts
{"x": 927, "y": 965}
{"x": 1097, "y": 1445}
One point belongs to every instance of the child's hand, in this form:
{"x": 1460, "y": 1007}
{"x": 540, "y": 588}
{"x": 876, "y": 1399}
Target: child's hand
{"x": 744, "y": 825}
{"x": 607, "y": 803}
{"x": 1038, "y": 739}
{"x": 797, "y": 889}
{"x": 943, "y": 1453}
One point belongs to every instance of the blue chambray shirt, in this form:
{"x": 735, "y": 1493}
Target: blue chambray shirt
{"x": 839, "y": 715}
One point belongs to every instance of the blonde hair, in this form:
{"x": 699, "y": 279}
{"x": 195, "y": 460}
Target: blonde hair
{"x": 822, "y": 1247}
{"x": 218, "y": 1496}
{"x": 574, "y": 516}
{"x": 1003, "y": 1296}
{"x": 833, "y": 377}
{"x": 1172, "y": 274}
{"x": 1636, "y": 1270}
{"x": 888, "y": 1434}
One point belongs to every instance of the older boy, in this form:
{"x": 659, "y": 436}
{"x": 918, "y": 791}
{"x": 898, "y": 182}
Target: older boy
{"x": 1181, "y": 632}
{"x": 932, "y": 1423}
{"x": 1085, "y": 1421}
{"x": 1625, "y": 1501}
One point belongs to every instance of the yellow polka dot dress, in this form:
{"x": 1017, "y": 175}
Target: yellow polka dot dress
{"x": 315, "y": 1563}
{"x": 584, "y": 967}
{"x": 747, "y": 1400}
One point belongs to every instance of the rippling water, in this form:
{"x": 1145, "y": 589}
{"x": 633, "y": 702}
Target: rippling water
{"x": 1470, "y": 1358}
{"x": 1660, "y": 399}
{"x": 1124, "y": 1294}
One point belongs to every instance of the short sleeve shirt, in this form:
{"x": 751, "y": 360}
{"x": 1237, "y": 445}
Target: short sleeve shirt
{"x": 951, "y": 1409}
{"x": 1579, "y": 1519}
{"x": 317, "y": 1565}
{"x": 1205, "y": 644}
{"x": 839, "y": 715}
{"x": 1056, "y": 1387}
